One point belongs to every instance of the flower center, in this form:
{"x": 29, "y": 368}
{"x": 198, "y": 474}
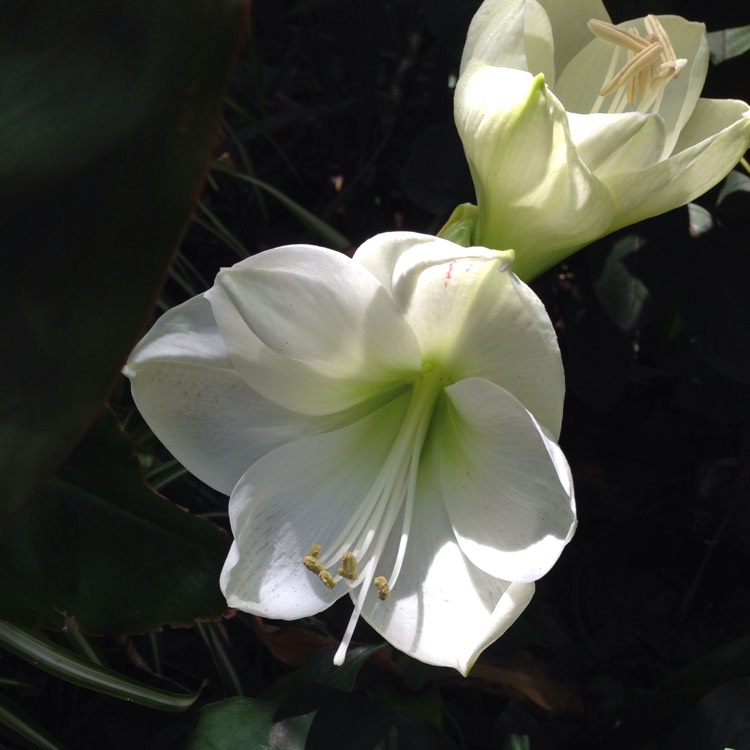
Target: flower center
{"x": 651, "y": 63}
{"x": 392, "y": 495}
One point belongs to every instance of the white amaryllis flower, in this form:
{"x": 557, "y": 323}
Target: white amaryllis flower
{"x": 574, "y": 127}
{"x": 385, "y": 426}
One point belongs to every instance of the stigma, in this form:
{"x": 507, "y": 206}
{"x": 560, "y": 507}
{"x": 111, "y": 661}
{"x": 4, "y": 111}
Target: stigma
{"x": 651, "y": 63}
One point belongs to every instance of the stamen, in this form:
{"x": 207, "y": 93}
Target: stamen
{"x": 633, "y": 67}
{"x": 384, "y": 590}
{"x": 314, "y": 565}
{"x": 654, "y": 26}
{"x": 651, "y": 64}
{"x": 614, "y": 34}
{"x": 637, "y": 83}
{"x": 367, "y": 533}
{"x": 348, "y": 567}
{"x": 671, "y": 64}
{"x": 327, "y": 578}
{"x": 671, "y": 69}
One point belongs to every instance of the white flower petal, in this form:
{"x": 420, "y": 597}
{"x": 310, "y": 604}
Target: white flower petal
{"x": 568, "y": 21}
{"x": 534, "y": 192}
{"x": 310, "y": 330}
{"x": 442, "y": 610}
{"x": 510, "y": 34}
{"x": 301, "y": 494}
{"x": 473, "y": 318}
{"x": 390, "y": 255}
{"x": 681, "y": 94}
{"x": 711, "y": 117}
{"x": 724, "y": 126}
{"x": 612, "y": 144}
{"x": 507, "y": 486}
{"x": 185, "y": 385}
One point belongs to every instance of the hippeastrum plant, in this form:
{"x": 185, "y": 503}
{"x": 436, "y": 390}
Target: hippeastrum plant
{"x": 385, "y": 426}
{"x": 574, "y": 127}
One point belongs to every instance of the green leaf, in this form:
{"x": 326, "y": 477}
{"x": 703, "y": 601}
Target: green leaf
{"x": 652, "y": 717}
{"x": 735, "y": 183}
{"x": 620, "y": 291}
{"x": 728, "y": 43}
{"x": 328, "y": 235}
{"x": 318, "y": 718}
{"x": 108, "y": 111}
{"x": 720, "y": 719}
{"x": 243, "y": 723}
{"x": 98, "y": 546}
{"x": 26, "y": 644}
{"x": 701, "y": 221}
{"x": 23, "y": 728}
{"x": 313, "y": 708}
{"x": 320, "y": 670}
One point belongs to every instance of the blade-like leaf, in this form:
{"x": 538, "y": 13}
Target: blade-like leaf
{"x": 327, "y": 234}
{"x": 107, "y": 111}
{"x": 620, "y": 291}
{"x": 20, "y": 725}
{"x": 728, "y": 43}
{"x": 98, "y": 546}
{"x": 26, "y": 644}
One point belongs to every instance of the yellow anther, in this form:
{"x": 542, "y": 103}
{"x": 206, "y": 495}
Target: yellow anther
{"x": 348, "y": 567}
{"x": 384, "y": 590}
{"x": 313, "y": 564}
{"x": 327, "y": 578}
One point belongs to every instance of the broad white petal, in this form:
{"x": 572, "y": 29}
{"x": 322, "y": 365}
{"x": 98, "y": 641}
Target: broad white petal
{"x": 506, "y": 485}
{"x": 711, "y": 117}
{"x": 613, "y": 144}
{"x": 535, "y": 194}
{"x": 473, "y": 318}
{"x": 579, "y": 83}
{"x": 442, "y": 610}
{"x": 511, "y": 34}
{"x": 714, "y": 140}
{"x": 301, "y": 494}
{"x": 310, "y": 330}
{"x": 569, "y": 23}
{"x": 185, "y": 385}
{"x": 682, "y": 93}
{"x": 391, "y": 255}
